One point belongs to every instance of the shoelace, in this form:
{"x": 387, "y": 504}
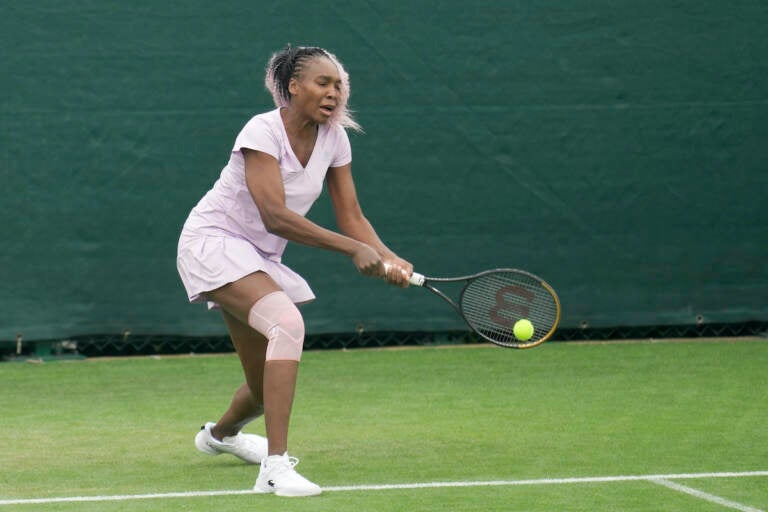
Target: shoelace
{"x": 282, "y": 467}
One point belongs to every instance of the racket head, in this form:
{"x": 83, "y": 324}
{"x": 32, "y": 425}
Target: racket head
{"x": 491, "y": 302}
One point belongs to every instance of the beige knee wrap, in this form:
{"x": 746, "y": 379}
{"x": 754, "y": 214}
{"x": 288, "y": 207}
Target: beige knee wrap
{"x": 277, "y": 317}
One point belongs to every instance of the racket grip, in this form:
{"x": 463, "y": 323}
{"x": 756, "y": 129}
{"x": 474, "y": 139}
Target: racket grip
{"x": 416, "y": 279}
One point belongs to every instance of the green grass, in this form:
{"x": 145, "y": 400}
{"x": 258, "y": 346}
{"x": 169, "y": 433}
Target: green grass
{"x": 125, "y": 426}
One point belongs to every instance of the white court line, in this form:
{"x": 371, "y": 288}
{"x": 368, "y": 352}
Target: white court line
{"x": 424, "y": 485}
{"x": 705, "y": 496}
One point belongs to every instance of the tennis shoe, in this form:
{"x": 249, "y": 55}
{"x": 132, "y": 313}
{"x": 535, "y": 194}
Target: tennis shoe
{"x": 249, "y": 447}
{"x": 277, "y": 475}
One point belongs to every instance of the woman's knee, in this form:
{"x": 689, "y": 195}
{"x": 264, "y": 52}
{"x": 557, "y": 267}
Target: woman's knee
{"x": 278, "y": 318}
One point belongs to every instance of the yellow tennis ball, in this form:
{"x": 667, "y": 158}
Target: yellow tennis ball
{"x": 523, "y": 329}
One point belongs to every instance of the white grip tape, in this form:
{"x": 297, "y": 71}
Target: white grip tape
{"x": 416, "y": 279}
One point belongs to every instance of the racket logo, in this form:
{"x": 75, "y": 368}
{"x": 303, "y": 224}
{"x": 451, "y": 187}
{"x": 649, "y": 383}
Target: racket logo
{"x": 519, "y": 306}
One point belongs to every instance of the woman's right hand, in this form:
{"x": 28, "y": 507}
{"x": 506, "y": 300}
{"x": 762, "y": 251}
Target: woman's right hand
{"x": 368, "y": 261}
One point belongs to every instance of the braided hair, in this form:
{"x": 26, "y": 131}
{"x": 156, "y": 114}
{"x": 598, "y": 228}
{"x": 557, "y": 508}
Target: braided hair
{"x": 289, "y": 62}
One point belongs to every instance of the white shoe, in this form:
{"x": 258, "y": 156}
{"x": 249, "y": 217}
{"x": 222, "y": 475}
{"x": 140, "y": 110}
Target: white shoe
{"x": 249, "y": 447}
{"x": 278, "y": 476}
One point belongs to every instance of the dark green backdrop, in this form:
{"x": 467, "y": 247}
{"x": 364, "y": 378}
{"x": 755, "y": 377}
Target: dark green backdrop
{"x": 616, "y": 148}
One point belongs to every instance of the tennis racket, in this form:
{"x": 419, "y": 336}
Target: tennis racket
{"x": 492, "y": 302}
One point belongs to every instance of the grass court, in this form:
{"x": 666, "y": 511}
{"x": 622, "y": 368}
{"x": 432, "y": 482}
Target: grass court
{"x": 630, "y": 426}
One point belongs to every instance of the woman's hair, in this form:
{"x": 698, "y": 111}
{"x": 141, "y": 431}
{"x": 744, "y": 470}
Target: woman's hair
{"x": 288, "y": 63}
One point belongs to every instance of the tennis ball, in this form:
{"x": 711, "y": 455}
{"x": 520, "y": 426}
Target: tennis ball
{"x": 523, "y": 329}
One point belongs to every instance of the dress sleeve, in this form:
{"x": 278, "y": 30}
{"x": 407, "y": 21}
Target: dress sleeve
{"x": 342, "y": 153}
{"x": 258, "y": 134}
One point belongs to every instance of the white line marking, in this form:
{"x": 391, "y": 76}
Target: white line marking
{"x": 424, "y": 485}
{"x": 545, "y": 481}
{"x": 705, "y": 496}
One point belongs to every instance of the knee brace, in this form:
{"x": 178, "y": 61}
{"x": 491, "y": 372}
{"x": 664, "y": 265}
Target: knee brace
{"x": 277, "y": 317}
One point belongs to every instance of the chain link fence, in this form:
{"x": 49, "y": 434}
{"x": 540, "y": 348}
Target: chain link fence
{"x": 127, "y": 344}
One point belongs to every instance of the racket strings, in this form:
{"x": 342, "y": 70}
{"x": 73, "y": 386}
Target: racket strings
{"x": 494, "y": 302}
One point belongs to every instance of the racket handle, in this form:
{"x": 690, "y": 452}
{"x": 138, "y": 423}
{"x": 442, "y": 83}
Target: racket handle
{"x": 416, "y": 279}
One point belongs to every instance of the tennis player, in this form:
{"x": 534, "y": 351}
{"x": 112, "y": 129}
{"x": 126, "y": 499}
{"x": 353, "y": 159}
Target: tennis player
{"x": 231, "y": 245}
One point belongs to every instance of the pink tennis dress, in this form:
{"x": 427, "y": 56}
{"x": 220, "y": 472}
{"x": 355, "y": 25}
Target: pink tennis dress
{"x": 224, "y": 238}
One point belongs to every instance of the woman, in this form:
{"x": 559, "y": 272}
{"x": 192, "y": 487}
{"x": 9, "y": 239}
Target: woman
{"x": 231, "y": 245}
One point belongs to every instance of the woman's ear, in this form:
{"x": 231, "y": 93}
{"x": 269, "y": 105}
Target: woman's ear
{"x": 293, "y": 86}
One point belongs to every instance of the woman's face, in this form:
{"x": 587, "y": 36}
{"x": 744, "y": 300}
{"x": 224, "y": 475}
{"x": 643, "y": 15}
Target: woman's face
{"x": 316, "y": 91}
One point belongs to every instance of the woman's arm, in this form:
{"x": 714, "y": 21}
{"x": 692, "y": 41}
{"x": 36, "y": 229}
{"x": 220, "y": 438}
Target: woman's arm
{"x": 353, "y": 223}
{"x": 264, "y": 181}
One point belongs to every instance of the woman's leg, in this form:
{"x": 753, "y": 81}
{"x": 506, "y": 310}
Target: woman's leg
{"x": 248, "y": 402}
{"x": 272, "y": 383}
